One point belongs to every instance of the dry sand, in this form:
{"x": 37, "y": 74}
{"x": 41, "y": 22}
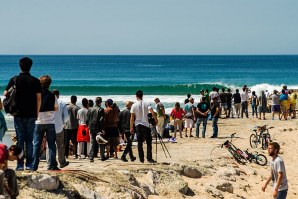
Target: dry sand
{"x": 187, "y": 151}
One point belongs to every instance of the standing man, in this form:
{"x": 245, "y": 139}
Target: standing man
{"x": 61, "y": 116}
{"x": 229, "y": 102}
{"x": 95, "y": 122}
{"x": 124, "y": 126}
{"x": 45, "y": 123}
{"x": 215, "y": 116}
{"x": 72, "y": 125}
{"x": 189, "y": 116}
{"x": 262, "y": 105}
{"x": 223, "y": 102}
{"x": 28, "y": 100}
{"x": 275, "y": 107}
{"x": 237, "y": 102}
{"x": 139, "y": 119}
{"x": 160, "y": 110}
{"x": 278, "y": 173}
{"x": 202, "y": 111}
{"x": 244, "y": 102}
{"x": 213, "y": 94}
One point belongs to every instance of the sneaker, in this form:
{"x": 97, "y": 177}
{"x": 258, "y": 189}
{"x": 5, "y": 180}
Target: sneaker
{"x": 191, "y": 136}
{"x": 20, "y": 168}
{"x": 151, "y": 161}
{"x": 83, "y": 157}
{"x": 185, "y": 136}
{"x": 53, "y": 168}
{"x": 197, "y": 137}
{"x": 212, "y": 136}
{"x": 124, "y": 159}
{"x": 133, "y": 159}
{"x": 64, "y": 165}
{"x": 142, "y": 161}
{"x": 91, "y": 160}
{"x": 29, "y": 169}
{"x": 104, "y": 159}
{"x": 272, "y": 118}
{"x": 173, "y": 139}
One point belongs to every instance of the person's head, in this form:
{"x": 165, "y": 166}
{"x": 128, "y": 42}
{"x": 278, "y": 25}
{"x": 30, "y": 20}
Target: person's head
{"x": 207, "y": 90}
{"x": 73, "y": 99}
{"x": 56, "y": 93}
{"x": 177, "y": 106}
{"x": 283, "y": 91}
{"x": 244, "y": 87}
{"x": 98, "y": 101}
{"x": 273, "y": 149}
{"x": 203, "y": 99}
{"x": 109, "y": 103}
{"x": 275, "y": 91}
{"x": 25, "y": 64}
{"x": 253, "y": 93}
{"x": 15, "y": 153}
{"x": 85, "y": 103}
{"x": 237, "y": 90}
{"x": 202, "y": 92}
{"x": 191, "y": 100}
{"x": 128, "y": 104}
{"x": 45, "y": 81}
{"x": 229, "y": 90}
{"x": 139, "y": 94}
{"x": 213, "y": 88}
{"x": 262, "y": 92}
{"x": 156, "y": 100}
{"x": 223, "y": 89}
{"x": 188, "y": 95}
{"x": 216, "y": 89}
{"x": 284, "y": 87}
{"x": 90, "y": 103}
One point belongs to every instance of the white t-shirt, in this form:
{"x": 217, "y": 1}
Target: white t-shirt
{"x": 244, "y": 96}
{"x": 61, "y": 116}
{"x": 277, "y": 166}
{"x": 213, "y": 94}
{"x": 47, "y": 117}
{"x": 141, "y": 110}
{"x": 82, "y": 116}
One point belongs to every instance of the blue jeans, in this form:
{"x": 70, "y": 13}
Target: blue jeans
{"x": 282, "y": 194}
{"x": 24, "y": 130}
{"x": 254, "y": 110}
{"x": 39, "y": 131}
{"x": 215, "y": 127}
{"x": 198, "y": 123}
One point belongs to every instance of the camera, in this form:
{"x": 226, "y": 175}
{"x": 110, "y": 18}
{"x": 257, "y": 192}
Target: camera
{"x": 151, "y": 119}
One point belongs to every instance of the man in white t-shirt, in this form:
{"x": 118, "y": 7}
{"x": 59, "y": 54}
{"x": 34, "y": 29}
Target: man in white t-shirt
{"x": 244, "y": 102}
{"x": 139, "y": 119}
{"x": 278, "y": 173}
{"x": 45, "y": 123}
{"x": 213, "y": 94}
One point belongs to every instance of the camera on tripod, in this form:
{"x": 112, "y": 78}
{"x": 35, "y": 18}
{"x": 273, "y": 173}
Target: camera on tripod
{"x": 151, "y": 119}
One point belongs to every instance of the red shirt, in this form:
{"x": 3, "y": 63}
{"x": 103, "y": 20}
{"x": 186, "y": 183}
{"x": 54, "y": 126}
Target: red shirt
{"x": 177, "y": 114}
{"x": 3, "y": 153}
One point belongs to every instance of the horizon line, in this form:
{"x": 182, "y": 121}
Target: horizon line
{"x": 149, "y": 54}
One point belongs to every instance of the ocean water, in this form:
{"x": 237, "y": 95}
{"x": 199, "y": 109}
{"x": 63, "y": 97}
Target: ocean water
{"x": 168, "y": 77}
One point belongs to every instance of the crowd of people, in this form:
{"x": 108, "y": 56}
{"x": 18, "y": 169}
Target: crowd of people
{"x": 85, "y": 131}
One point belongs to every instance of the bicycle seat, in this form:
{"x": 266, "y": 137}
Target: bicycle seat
{"x": 226, "y": 142}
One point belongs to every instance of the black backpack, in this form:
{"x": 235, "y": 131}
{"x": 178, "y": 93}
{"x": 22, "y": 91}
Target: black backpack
{"x": 9, "y": 102}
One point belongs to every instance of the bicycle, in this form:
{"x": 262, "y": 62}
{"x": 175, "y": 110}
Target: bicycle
{"x": 263, "y": 137}
{"x": 259, "y": 159}
{"x": 237, "y": 154}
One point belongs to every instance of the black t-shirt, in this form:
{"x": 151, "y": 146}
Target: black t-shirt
{"x": 229, "y": 98}
{"x": 27, "y": 86}
{"x": 203, "y": 107}
{"x": 213, "y": 110}
{"x": 237, "y": 98}
{"x": 223, "y": 97}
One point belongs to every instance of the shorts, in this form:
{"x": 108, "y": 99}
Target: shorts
{"x": 223, "y": 105}
{"x": 284, "y": 109}
{"x": 261, "y": 109}
{"x": 275, "y": 108}
{"x": 189, "y": 123}
{"x": 293, "y": 107}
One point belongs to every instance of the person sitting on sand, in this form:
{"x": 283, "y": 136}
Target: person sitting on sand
{"x": 177, "y": 114}
{"x": 13, "y": 153}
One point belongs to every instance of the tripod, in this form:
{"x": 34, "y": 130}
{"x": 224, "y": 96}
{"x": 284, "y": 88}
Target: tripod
{"x": 163, "y": 146}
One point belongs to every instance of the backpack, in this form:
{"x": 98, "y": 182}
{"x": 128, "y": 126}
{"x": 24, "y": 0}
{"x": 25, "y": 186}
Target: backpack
{"x": 9, "y": 102}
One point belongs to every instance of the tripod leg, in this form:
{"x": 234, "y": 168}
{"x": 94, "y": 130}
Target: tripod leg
{"x": 163, "y": 146}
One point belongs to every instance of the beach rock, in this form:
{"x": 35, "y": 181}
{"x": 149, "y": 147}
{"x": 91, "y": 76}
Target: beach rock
{"x": 148, "y": 189}
{"x": 224, "y": 186}
{"x": 214, "y": 192}
{"x": 250, "y": 171}
{"x": 191, "y": 172}
{"x": 86, "y": 193}
{"x": 43, "y": 182}
{"x": 152, "y": 177}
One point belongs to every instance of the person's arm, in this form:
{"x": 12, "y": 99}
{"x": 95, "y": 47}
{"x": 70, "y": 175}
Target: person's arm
{"x": 38, "y": 102}
{"x": 56, "y": 105}
{"x": 216, "y": 112}
{"x": 132, "y": 120}
{"x": 267, "y": 182}
{"x": 163, "y": 112}
{"x": 278, "y": 182}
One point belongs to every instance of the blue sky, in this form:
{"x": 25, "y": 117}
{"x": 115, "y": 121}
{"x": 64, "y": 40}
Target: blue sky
{"x": 149, "y": 27}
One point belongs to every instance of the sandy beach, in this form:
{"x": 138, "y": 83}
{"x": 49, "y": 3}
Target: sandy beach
{"x": 110, "y": 179}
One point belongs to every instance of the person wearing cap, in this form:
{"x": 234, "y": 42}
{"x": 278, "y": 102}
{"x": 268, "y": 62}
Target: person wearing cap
{"x": 12, "y": 153}
{"x": 111, "y": 127}
{"x": 139, "y": 120}
{"x": 124, "y": 125}
{"x": 160, "y": 110}
{"x": 275, "y": 106}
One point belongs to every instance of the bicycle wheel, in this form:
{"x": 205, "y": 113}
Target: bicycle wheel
{"x": 253, "y": 140}
{"x": 261, "y": 159}
{"x": 265, "y": 142}
{"x": 237, "y": 156}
